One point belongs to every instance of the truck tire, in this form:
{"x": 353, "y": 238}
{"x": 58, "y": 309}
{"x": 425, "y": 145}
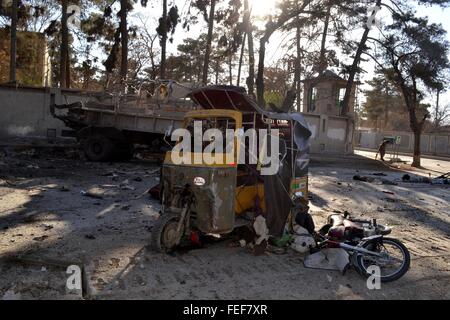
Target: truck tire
{"x": 98, "y": 148}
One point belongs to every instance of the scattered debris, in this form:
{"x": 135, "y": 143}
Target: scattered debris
{"x": 417, "y": 179}
{"x": 41, "y": 238}
{"x": 90, "y": 236}
{"x": 372, "y": 180}
{"x": 328, "y": 259}
{"x": 47, "y": 227}
{"x": 363, "y": 178}
{"x": 11, "y": 295}
{"x": 261, "y": 229}
{"x": 91, "y": 194}
{"x": 125, "y": 185}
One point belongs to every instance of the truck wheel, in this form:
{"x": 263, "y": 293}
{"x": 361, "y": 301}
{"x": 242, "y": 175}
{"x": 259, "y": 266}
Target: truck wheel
{"x": 164, "y": 233}
{"x": 98, "y": 148}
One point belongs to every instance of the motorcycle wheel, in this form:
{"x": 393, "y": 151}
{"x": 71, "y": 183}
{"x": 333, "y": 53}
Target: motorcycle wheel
{"x": 164, "y": 233}
{"x": 393, "y": 251}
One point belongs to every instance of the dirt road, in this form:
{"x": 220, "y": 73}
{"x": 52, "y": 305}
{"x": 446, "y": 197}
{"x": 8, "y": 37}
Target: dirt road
{"x": 57, "y": 210}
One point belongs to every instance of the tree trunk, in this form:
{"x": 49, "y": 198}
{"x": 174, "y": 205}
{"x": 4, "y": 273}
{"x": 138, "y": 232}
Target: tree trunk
{"x": 209, "y": 41}
{"x": 298, "y": 63}
{"x": 217, "y": 72}
{"x": 386, "y": 106}
{"x": 68, "y": 68}
{"x": 416, "y": 157}
{"x": 270, "y": 29}
{"x": 123, "y": 42}
{"x": 437, "y": 121}
{"x": 260, "y": 88}
{"x": 241, "y": 60}
{"x": 322, "y": 59}
{"x": 63, "y": 63}
{"x": 251, "y": 51}
{"x": 163, "y": 41}
{"x": 230, "y": 67}
{"x": 13, "y": 52}
{"x": 354, "y": 67}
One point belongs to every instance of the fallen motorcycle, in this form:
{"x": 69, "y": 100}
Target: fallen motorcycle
{"x": 364, "y": 241}
{"x": 367, "y": 246}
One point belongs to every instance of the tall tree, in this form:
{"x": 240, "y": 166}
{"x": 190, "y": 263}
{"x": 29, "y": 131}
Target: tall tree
{"x": 251, "y": 50}
{"x": 384, "y": 103}
{"x": 241, "y": 61}
{"x": 12, "y": 61}
{"x": 298, "y": 63}
{"x": 322, "y": 58}
{"x": 163, "y": 30}
{"x": 356, "y": 60}
{"x": 167, "y": 24}
{"x": 414, "y": 56}
{"x": 286, "y": 15}
{"x": 124, "y": 40}
{"x": 209, "y": 38}
{"x": 64, "y": 73}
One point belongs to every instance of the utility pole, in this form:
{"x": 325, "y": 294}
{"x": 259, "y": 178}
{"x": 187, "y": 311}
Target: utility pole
{"x": 13, "y": 52}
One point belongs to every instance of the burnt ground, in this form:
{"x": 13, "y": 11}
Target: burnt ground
{"x": 47, "y": 223}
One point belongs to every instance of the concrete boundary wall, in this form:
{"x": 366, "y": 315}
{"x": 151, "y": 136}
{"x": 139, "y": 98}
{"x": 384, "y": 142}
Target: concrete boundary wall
{"x": 430, "y": 143}
{"x": 25, "y": 112}
{"x": 330, "y": 134}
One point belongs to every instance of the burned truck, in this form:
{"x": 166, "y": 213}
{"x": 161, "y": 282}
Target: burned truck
{"x": 110, "y": 126}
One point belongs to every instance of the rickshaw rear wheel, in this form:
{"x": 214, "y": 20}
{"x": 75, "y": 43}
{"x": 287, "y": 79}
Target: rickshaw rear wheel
{"x": 165, "y": 237}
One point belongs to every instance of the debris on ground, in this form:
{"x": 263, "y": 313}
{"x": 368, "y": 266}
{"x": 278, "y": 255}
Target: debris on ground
{"x": 41, "y": 238}
{"x": 125, "y": 185}
{"x": 373, "y": 180}
{"x": 328, "y": 259}
{"x": 303, "y": 240}
{"x": 443, "y": 179}
{"x": 91, "y": 194}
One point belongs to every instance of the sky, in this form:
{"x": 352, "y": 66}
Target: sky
{"x": 261, "y": 8}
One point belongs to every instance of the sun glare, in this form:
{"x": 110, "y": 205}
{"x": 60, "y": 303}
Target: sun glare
{"x": 262, "y": 7}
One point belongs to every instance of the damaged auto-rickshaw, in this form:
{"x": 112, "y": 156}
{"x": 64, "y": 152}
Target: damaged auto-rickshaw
{"x": 200, "y": 196}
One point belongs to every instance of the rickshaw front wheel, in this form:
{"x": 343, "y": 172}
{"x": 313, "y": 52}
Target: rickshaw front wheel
{"x": 165, "y": 237}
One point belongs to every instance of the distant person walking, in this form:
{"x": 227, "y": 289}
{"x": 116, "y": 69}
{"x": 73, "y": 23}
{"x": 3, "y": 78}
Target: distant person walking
{"x": 382, "y": 149}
